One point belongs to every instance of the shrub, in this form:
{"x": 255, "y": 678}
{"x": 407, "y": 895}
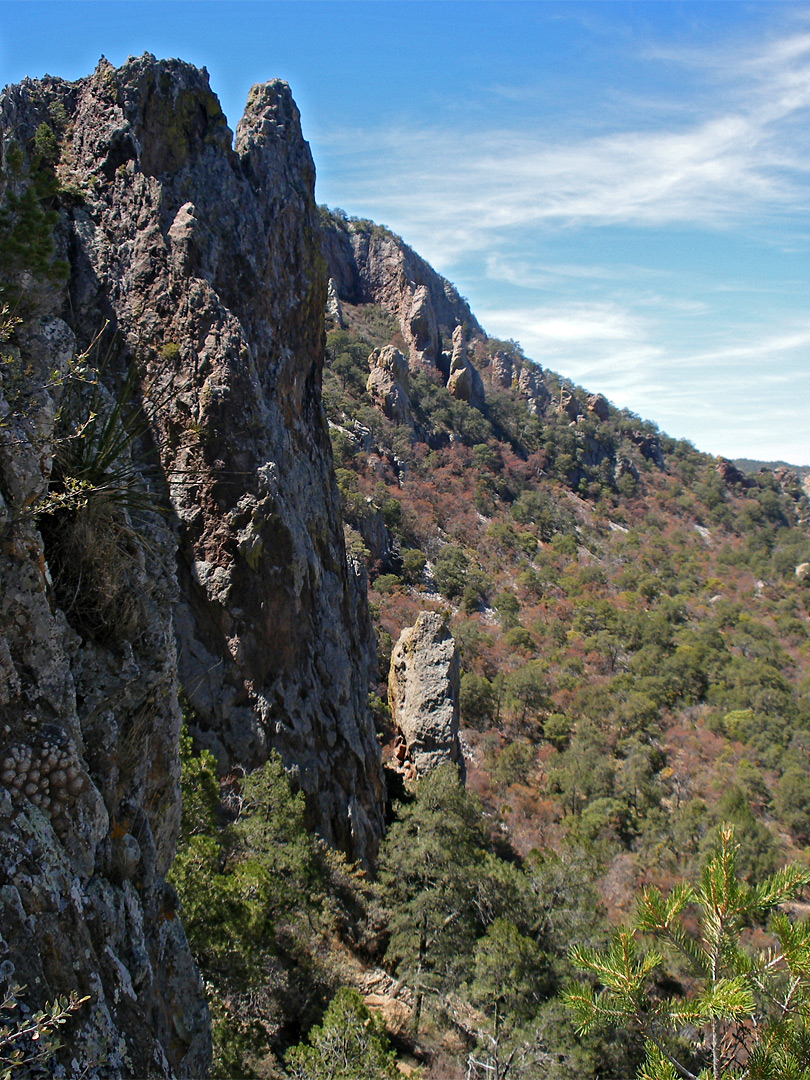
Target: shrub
{"x": 450, "y": 571}
{"x": 413, "y": 565}
{"x": 349, "y": 1043}
{"x": 514, "y": 764}
{"x": 477, "y": 700}
{"x": 519, "y": 638}
{"x": 28, "y": 1039}
{"x": 387, "y": 583}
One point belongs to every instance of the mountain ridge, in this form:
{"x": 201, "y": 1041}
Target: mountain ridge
{"x": 260, "y": 517}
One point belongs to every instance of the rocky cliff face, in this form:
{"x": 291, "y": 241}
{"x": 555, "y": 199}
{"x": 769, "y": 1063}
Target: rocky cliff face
{"x": 369, "y": 264}
{"x": 200, "y": 267}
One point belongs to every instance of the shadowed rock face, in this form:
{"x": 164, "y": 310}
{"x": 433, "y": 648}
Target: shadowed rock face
{"x": 203, "y": 261}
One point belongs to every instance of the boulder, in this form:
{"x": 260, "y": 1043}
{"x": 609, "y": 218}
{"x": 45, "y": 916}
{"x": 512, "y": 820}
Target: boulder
{"x": 730, "y": 474}
{"x": 649, "y": 446}
{"x": 533, "y": 389}
{"x": 568, "y": 404}
{"x": 423, "y": 693}
{"x": 500, "y": 371}
{"x": 598, "y": 406}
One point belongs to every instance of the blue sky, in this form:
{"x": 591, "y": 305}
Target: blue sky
{"x": 623, "y": 188}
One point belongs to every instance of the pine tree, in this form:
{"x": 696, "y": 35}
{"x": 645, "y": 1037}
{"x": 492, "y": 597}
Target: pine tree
{"x": 741, "y": 1013}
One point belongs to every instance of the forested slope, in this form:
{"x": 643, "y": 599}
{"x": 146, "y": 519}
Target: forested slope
{"x": 631, "y": 617}
{"x": 632, "y": 614}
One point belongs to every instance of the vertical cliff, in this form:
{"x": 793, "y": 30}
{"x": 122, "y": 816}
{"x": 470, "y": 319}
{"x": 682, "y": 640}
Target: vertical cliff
{"x": 369, "y": 264}
{"x": 196, "y": 268}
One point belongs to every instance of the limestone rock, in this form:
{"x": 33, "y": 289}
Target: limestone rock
{"x": 423, "y": 692}
{"x": 387, "y": 384}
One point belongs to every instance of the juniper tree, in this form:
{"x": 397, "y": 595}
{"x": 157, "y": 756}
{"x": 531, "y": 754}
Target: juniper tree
{"x": 350, "y": 1043}
{"x": 428, "y": 866}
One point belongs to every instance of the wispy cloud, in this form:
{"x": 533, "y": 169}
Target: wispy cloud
{"x": 496, "y": 207}
{"x": 746, "y": 157}
{"x": 727, "y": 388}
{"x": 533, "y": 274}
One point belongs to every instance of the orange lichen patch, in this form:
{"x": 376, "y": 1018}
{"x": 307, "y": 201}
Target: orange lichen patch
{"x": 118, "y": 830}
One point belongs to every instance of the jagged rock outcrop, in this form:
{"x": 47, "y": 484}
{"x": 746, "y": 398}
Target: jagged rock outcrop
{"x": 533, "y": 388}
{"x": 731, "y": 475}
{"x": 464, "y": 382}
{"x": 387, "y": 384}
{"x": 369, "y": 264}
{"x": 423, "y": 692}
{"x": 203, "y": 262}
{"x": 222, "y": 296}
{"x": 501, "y": 370}
{"x": 333, "y": 309}
{"x": 372, "y": 528}
{"x": 650, "y": 446}
{"x": 598, "y": 406}
{"x": 422, "y": 327}
{"x": 89, "y": 766}
{"x": 568, "y": 404}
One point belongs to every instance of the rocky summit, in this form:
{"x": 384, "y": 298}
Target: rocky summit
{"x": 193, "y": 274}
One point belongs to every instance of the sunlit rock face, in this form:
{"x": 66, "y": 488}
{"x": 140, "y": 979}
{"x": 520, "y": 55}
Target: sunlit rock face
{"x": 423, "y": 692}
{"x": 369, "y": 264}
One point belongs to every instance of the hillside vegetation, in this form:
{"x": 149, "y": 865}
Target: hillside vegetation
{"x": 631, "y": 614}
{"x": 632, "y": 618}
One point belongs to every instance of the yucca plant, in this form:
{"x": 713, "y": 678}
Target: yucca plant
{"x": 96, "y": 434}
{"x": 98, "y": 499}
{"x": 743, "y": 1013}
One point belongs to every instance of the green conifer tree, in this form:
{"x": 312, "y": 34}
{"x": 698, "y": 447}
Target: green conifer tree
{"x": 740, "y": 1013}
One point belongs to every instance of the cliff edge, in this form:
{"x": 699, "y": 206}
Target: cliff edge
{"x": 194, "y": 289}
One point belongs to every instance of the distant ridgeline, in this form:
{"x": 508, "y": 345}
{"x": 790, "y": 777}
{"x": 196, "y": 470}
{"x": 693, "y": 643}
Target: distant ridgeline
{"x": 218, "y": 538}
{"x": 747, "y": 465}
